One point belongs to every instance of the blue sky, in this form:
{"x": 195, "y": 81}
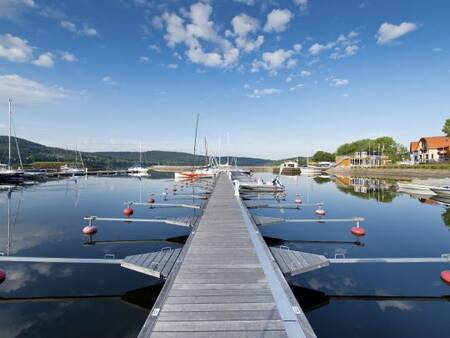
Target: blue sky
{"x": 269, "y": 78}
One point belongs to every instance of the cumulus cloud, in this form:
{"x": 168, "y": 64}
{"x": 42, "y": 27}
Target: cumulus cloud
{"x": 199, "y": 28}
{"x": 275, "y": 60}
{"x": 69, "y": 57}
{"x": 27, "y": 91}
{"x": 305, "y": 73}
{"x": 318, "y": 48}
{"x": 278, "y": 20}
{"x": 15, "y": 49}
{"x": 389, "y": 32}
{"x": 336, "y": 82}
{"x": 172, "y": 66}
{"x": 85, "y": 29}
{"x": 154, "y": 47}
{"x": 243, "y": 25}
{"x": 109, "y": 80}
{"x": 257, "y": 93}
{"x": 343, "y": 46}
{"x": 13, "y": 9}
{"x": 44, "y": 60}
{"x": 144, "y": 59}
{"x": 302, "y": 4}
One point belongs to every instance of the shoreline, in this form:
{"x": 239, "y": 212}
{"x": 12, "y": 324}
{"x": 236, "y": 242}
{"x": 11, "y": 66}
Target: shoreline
{"x": 392, "y": 172}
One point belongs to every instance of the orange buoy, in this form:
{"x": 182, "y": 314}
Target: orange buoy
{"x": 150, "y": 200}
{"x": 358, "y": 231}
{"x": 89, "y": 230}
{"x": 128, "y": 211}
{"x": 320, "y": 212}
{"x": 445, "y": 276}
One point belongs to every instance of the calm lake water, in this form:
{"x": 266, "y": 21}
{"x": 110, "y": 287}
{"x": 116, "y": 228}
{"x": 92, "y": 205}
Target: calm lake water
{"x": 354, "y": 300}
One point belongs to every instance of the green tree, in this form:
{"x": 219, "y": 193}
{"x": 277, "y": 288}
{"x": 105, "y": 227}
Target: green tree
{"x": 446, "y": 127}
{"x": 323, "y": 156}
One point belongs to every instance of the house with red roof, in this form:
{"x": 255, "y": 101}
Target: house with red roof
{"x": 430, "y": 149}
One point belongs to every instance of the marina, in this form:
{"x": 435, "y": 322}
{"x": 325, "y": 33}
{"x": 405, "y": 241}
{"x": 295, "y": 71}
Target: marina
{"x": 209, "y": 270}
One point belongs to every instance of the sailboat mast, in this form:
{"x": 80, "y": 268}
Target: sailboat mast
{"x": 140, "y": 155}
{"x": 195, "y": 141}
{"x": 206, "y": 152}
{"x": 9, "y": 134}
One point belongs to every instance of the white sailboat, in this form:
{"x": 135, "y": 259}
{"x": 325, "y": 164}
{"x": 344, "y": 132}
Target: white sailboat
{"x": 138, "y": 170}
{"x": 7, "y": 173}
{"x": 74, "y": 170}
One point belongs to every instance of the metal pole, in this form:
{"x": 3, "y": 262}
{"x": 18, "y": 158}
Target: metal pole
{"x": 9, "y": 134}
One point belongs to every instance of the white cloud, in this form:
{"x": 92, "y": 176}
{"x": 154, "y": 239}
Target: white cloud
{"x": 351, "y": 50}
{"x": 144, "y": 59}
{"x": 109, "y": 80}
{"x": 44, "y": 60}
{"x": 297, "y": 47}
{"x": 13, "y": 9}
{"x": 296, "y": 87}
{"x": 437, "y": 49}
{"x": 390, "y": 32}
{"x": 69, "y": 57}
{"x": 172, "y": 66}
{"x": 27, "y": 91}
{"x": 223, "y": 53}
{"x": 85, "y": 29}
{"x": 243, "y": 25}
{"x": 246, "y": 2}
{"x": 257, "y": 93}
{"x": 318, "y": 48}
{"x": 336, "y": 82}
{"x": 302, "y": 4}
{"x": 157, "y": 22}
{"x": 15, "y": 49}
{"x": 155, "y": 48}
{"x": 305, "y": 73}
{"x": 275, "y": 60}
{"x": 289, "y": 79}
{"x": 278, "y": 20}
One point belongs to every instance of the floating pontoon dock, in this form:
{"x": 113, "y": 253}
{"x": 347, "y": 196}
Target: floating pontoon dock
{"x": 226, "y": 282}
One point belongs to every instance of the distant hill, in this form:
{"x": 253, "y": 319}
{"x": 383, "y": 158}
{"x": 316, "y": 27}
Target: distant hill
{"x": 32, "y": 152}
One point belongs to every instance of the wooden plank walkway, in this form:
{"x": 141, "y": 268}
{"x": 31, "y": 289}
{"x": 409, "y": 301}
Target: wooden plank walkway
{"x": 227, "y": 283}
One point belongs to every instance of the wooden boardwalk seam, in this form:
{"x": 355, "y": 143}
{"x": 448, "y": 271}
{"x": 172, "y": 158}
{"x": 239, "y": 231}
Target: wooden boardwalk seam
{"x": 226, "y": 282}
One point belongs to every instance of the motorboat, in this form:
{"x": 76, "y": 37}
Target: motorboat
{"x": 260, "y": 185}
{"x": 441, "y": 191}
{"x": 419, "y": 189}
{"x": 9, "y": 175}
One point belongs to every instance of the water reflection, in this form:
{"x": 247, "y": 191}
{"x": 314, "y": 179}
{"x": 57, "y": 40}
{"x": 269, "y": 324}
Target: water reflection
{"x": 367, "y": 188}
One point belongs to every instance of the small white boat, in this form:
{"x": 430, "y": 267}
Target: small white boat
{"x": 441, "y": 191}
{"x": 416, "y": 188}
{"x": 138, "y": 170}
{"x": 67, "y": 169}
{"x": 261, "y": 186}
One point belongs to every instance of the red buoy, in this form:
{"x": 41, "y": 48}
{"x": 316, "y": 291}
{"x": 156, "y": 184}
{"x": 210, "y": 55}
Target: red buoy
{"x": 2, "y": 275}
{"x": 358, "y": 231}
{"x": 320, "y": 212}
{"x": 445, "y": 276}
{"x": 128, "y": 211}
{"x": 89, "y": 230}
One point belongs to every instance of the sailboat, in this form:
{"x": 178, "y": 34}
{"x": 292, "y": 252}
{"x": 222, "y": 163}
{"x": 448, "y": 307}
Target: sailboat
{"x": 7, "y": 173}
{"x": 74, "y": 170}
{"x": 138, "y": 170}
{"x": 205, "y": 172}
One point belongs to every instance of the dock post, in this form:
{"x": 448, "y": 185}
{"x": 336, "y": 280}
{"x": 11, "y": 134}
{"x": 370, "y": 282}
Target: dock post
{"x": 236, "y": 187}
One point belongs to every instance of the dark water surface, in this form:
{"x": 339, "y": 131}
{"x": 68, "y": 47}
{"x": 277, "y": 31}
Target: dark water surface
{"x": 72, "y": 300}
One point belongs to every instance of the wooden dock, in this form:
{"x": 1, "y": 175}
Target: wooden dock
{"x": 226, "y": 282}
